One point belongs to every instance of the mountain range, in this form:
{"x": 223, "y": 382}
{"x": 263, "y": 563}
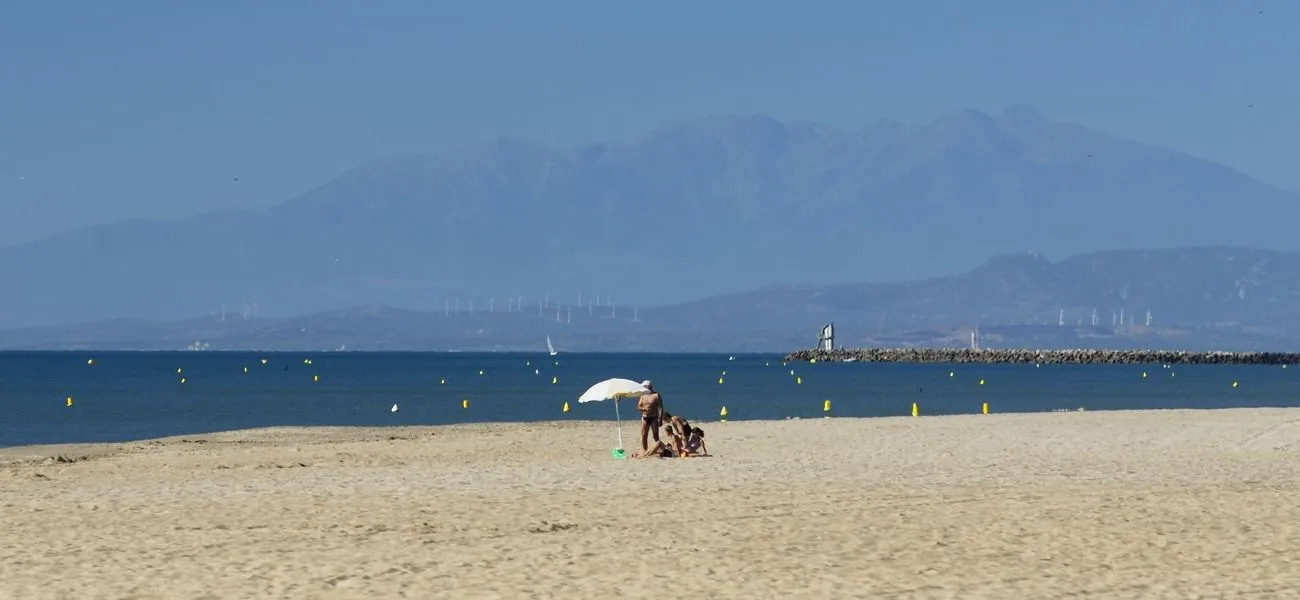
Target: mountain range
{"x": 710, "y": 206}
{"x": 1190, "y": 298}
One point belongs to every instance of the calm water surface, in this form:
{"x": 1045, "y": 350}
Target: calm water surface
{"x": 139, "y": 395}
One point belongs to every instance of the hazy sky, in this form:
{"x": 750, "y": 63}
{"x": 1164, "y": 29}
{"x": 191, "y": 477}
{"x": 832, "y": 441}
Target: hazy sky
{"x": 135, "y": 108}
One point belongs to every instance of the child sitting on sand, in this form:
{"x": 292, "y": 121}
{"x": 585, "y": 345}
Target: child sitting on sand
{"x": 695, "y": 444}
{"x": 673, "y": 439}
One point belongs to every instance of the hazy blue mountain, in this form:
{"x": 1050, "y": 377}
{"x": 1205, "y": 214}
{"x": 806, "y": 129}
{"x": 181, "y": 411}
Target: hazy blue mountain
{"x": 698, "y": 208}
{"x": 1199, "y": 298}
{"x": 1233, "y": 291}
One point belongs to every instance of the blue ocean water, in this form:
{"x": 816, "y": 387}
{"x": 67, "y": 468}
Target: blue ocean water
{"x": 139, "y": 395}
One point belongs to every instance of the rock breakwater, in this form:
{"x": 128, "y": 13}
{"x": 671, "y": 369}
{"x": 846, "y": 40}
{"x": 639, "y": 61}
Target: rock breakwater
{"x": 1025, "y": 356}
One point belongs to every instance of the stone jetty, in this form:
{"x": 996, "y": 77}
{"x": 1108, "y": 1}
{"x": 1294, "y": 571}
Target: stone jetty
{"x": 1026, "y": 356}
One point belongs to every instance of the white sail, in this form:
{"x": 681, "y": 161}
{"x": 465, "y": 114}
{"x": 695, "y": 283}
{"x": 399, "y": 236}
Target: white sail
{"x": 549, "y": 346}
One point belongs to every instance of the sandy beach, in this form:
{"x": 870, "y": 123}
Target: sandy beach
{"x": 1163, "y": 504}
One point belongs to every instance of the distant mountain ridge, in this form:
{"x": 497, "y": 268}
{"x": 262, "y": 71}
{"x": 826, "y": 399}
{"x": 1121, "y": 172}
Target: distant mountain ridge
{"x": 1202, "y": 288}
{"x": 690, "y": 210}
{"x": 1213, "y": 298}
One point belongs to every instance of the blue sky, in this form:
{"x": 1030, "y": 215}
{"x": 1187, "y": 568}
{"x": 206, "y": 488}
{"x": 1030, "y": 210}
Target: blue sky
{"x": 151, "y": 108}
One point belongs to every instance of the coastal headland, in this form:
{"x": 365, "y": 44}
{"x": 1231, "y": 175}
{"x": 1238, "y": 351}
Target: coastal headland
{"x": 1030, "y": 356}
{"x": 1124, "y": 504}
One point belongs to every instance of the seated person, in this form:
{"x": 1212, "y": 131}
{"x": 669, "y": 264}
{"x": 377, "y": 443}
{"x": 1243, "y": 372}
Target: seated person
{"x": 673, "y": 439}
{"x": 694, "y": 445}
{"x": 658, "y": 450}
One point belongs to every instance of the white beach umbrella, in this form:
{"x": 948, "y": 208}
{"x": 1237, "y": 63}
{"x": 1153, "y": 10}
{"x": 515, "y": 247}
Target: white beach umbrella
{"x": 614, "y": 389}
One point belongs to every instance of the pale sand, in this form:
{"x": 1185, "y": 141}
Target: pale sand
{"x": 1183, "y": 504}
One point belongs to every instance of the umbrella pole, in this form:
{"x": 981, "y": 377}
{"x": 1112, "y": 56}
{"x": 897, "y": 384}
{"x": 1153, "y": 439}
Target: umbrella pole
{"x": 618, "y": 421}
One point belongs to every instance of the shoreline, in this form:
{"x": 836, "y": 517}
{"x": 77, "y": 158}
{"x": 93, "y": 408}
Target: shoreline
{"x": 1049, "y": 357}
{"x": 310, "y": 435}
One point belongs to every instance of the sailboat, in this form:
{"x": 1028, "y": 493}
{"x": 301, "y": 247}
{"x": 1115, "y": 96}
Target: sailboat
{"x": 549, "y": 346}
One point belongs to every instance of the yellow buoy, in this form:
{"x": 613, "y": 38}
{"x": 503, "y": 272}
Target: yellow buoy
{"x": 245, "y": 369}
{"x": 464, "y": 403}
{"x": 178, "y": 371}
{"x": 555, "y": 380}
{"x": 916, "y": 410}
{"x": 315, "y": 377}
{"x": 1144, "y": 374}
{"x": 981, "y": 382}
{"x": 719, "y": 381}
{"x": 263, "y": 361}
{"x": 986, "y": 408}
{"x": 798, "y": 380}
{"x": 566, "y": 407}
{"x": 442, "y": 381}
{"x": 826, "y": 406}
{"x": 91, "y": 362}
{"x": 1234, "y": 384}
{"x": 812, "y": 360}
{"x": 723, "y": 413}
{"x": 69, "y": 401}
{"x": 182, "y": 380}
{"x": 950, "y": 373}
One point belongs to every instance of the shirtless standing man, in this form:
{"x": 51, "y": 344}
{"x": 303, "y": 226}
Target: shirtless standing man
{"x": 651, "y": 406}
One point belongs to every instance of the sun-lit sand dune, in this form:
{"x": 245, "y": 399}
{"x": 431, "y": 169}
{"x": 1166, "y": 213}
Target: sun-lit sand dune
{"x": 1179, "y": 504}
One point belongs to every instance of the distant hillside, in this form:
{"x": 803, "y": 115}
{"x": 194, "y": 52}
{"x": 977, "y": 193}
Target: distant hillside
{"x": 1199, "y": 298}
{"x": 702, "y": 207}
{"x": 1205, "y": 288}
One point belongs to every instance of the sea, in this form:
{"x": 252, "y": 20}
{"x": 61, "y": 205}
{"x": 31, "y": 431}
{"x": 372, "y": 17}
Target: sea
{"x": 76, "y": 397}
